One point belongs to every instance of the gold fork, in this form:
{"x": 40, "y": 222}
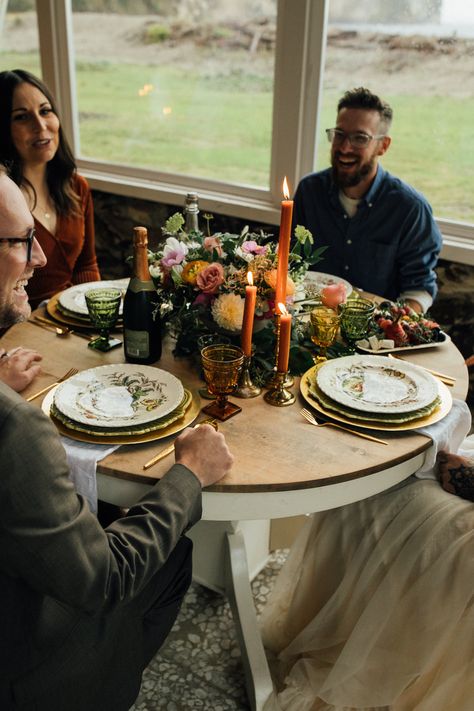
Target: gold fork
{"x": 313, "y": 421}
{"x": 69, "y": 374}
{"x": 168, "y": 450}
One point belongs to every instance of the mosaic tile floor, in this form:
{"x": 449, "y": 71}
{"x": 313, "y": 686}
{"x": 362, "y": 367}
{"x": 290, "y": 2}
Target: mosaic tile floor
{"x": 199, "y": 666}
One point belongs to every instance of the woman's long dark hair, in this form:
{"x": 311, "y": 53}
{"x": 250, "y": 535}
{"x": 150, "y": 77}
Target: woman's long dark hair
{"x": 59, "y": 170}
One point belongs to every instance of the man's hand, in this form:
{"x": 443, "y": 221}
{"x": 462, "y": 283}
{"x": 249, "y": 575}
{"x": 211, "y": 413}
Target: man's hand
{"x": 19, "y": 367}
{"x": 205, "y": 452}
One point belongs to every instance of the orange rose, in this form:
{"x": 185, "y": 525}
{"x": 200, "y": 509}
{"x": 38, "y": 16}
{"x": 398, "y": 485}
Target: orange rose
{"x": 191, "y": 270}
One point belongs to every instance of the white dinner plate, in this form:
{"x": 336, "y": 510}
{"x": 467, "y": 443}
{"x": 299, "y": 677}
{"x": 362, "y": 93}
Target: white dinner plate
{"x": 119, "y": 395}
{"x": 376, "y": 384}
{"x": 74, "y": 299}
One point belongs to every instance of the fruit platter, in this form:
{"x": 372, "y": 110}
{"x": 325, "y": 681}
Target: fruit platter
{"x": 396, "y": 327}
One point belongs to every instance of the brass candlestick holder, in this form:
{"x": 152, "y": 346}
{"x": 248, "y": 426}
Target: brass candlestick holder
{"x": 273, "y": 381}
{"x": 279, "y": 395}
{"x": 246, "y": 387}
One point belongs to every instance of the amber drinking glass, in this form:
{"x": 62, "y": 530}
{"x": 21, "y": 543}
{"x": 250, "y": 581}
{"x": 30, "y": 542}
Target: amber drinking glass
{"x": 222, "y": 364}
{"x": 103, "y": 307}
{"x": 355, "y": 317}
{"x": 324, "y": 327}
{"x": 209, "y": 339}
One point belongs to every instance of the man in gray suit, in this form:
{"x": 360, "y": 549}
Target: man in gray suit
{"x": 83, "y": 609}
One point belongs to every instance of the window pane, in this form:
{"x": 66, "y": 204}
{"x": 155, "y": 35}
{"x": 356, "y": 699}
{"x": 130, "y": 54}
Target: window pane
{"x": 19, "y": 45}
{"x": 188, "y": 90}
{"x": 418, "y": 56}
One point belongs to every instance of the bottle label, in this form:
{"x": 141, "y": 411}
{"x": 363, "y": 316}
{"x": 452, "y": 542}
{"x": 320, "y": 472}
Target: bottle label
{"x": 137, "y": 343}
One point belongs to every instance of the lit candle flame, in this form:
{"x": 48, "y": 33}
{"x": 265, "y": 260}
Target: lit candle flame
{"x": 286, "y": 191}
{"x": 283, "y": 310}
{"x": 250, "y": 278}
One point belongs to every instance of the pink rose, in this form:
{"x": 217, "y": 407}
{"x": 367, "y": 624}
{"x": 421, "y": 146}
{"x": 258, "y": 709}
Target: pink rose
{"x": 333, "y": 295}
{"x": 203, "y": 300}
{"x": 213, "y": 243}
{"x": 210, "y": 278}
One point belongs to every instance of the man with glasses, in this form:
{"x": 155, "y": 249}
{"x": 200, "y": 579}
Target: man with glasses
{"x": 20, "y": 255}
{"x": 380, "y": 232}
{"x": 83, "y": 609}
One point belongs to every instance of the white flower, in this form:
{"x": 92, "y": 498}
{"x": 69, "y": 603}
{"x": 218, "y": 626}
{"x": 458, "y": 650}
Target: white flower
{"x": 228, "y": 311}
{"x": 174, "y": 252}
{"x": 155, "y": 271}
{"x": 245, "y": 256}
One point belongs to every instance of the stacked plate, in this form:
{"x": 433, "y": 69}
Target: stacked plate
{"x": 70, "y": 306}
{"x": 121, "y": 404}
{"x": 373, "y": 392}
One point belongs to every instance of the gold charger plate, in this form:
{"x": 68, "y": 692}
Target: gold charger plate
{"x": 52, "y": 308}
{"x": 438, "y": 414}
{"x": 188, "y": 418}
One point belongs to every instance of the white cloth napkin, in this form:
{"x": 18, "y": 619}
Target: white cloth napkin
{"x": 82, "y": 459}
{"x": 447, "y": 434}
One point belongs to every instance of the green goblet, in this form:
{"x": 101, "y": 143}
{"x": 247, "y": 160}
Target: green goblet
{"x": 355, "y": 316}
{"x": 103, "y": 306}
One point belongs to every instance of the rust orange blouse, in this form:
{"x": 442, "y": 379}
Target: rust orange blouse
{"x": 70, "y": 252}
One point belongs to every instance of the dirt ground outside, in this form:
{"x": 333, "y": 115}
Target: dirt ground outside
{"x": 400, "y": 65}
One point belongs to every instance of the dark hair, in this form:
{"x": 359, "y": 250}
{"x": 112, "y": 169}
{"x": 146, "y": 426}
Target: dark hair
{"x": 59, "y": 170}
{"x": 362, "y": 98}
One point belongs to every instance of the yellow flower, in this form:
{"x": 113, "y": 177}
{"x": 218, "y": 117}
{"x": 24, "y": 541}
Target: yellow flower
{"x": 271, "y": 279}
{"x": 228, "y": 311}
{"x": 191, "y": 270}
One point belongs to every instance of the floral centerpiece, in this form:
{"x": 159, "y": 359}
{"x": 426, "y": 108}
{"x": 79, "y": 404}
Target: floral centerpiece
{"x": 201, "y": 280}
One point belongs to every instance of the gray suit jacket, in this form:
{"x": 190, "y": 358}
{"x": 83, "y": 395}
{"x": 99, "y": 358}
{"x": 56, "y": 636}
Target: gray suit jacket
{"x": 68, "y": 587}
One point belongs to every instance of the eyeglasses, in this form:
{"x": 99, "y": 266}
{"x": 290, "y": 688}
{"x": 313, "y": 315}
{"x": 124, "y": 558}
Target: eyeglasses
{"x": 357, "y": 140}
{"x": 28, "y": 240}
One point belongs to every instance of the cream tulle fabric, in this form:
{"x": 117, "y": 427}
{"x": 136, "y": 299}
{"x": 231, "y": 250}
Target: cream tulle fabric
{"x": 374, "y": 607}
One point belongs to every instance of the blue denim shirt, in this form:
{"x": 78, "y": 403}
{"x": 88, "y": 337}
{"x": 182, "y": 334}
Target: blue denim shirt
{"x": 390, "y": 246}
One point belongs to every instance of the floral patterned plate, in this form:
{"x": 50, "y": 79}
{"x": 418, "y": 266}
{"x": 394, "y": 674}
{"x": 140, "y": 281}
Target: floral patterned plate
{"x": 190, "y": 414}
{"x": 73, "y": 300}
{"x": 375, "y": 384}
{"x": 119, "y": 395}
{"x": 444, "y": 407}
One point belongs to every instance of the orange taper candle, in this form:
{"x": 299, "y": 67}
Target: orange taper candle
{"x": 284, "y": 245}
{"x": 249, "y": 311}
{"x": 284, "y": 342}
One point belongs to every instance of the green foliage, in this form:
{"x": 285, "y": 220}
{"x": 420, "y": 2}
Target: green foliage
{"x": 156, "y": 33}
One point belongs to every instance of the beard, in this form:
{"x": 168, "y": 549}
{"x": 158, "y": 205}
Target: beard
{"x": 11, "y": 314}
{"x": 350, "y": 180}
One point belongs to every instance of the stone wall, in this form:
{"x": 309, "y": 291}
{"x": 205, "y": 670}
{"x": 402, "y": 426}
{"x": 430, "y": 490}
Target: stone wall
{"x": 116, "y": 216}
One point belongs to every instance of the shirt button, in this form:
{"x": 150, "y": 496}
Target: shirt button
{"x": 370, "y": 204}
{"x": 346, "y": 267}
{"x": 349, "y": 241}
{"x": 345, "y": 216}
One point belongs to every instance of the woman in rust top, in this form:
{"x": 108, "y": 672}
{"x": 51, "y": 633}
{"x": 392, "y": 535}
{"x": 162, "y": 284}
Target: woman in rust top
{"x": 36, "y": 153}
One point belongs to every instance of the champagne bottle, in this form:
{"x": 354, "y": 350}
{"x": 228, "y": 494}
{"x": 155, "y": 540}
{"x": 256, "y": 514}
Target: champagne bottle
{"x": 141, "y": 315}
{"x": 191, "y": 212}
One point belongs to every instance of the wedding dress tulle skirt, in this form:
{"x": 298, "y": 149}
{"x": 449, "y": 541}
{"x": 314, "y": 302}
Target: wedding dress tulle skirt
{"x": 374, "y": 607}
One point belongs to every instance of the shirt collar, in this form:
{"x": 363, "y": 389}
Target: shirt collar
{"x": 370, "y": 195}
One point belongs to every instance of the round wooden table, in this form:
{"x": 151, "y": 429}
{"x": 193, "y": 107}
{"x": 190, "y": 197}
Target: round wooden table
{"x": 283, "y": 467}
